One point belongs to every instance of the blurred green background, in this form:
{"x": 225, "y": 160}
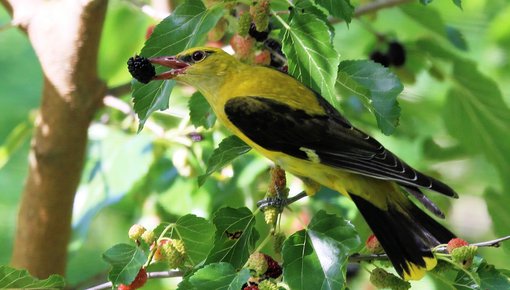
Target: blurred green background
{"x": 151, "y": 176}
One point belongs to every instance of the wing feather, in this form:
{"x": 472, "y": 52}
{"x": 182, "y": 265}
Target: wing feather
{"x": 279, "y": 127}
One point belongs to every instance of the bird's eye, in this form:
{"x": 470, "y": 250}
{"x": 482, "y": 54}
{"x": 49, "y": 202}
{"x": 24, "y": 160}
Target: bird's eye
{"x": 198, "y": 56}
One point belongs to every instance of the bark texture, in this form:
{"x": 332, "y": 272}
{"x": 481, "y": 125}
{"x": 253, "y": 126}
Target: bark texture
{"x": 65, "y": 36}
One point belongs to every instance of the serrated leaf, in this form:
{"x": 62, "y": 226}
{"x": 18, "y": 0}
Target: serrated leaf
{"x": 377, "y": 87}
{"x": 316, "y": 258}
{"x": 235, "y": 236}
{"x": 218, "y": 276}
{"x": 492, "y": 278}
{"x": 342, "y": 9}
{"x": 11, "y": 278}
{"x": 197, "y": 234}
{"x": 431, "y": 19}
{"x": 186, "y": 27}
{"x": 309, "y": 7}
{"x": 477, "y": 116}
{"x": 150, "y": 98}
{"x": 200, "y": 112}
{"x": 228, "y": 150}
{"x": 126, "y": 261}
{"x": 311, "y": 56}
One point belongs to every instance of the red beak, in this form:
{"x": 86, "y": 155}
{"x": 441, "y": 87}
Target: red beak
{"x": 177, "y": 66}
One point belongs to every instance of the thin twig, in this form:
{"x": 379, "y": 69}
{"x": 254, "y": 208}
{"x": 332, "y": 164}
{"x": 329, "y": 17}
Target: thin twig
{"x": 372, "y": 7}
{"x": 119, "y": 90}
{"x": 356, "y": 258}
{"x": 150, "y": 275}
{"x": 494, "y": 243}
{"x": 378, "y": 5}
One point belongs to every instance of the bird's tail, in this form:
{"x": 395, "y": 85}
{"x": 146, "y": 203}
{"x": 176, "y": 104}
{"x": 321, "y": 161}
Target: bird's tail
{"x": 406, "y": 234}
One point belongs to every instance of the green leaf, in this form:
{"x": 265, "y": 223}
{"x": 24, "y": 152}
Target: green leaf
{"x": 431, "y": 19}
{"x": 339, "y": 8}
{"x": 497, "y": 204}
{"x": 316, "y": 258}
{"x": 186, "y": 27}
{"x": 219, "y": 276}
{"x": 11, "y": 278}
{"x": 477, "y": 116}
{"x": 200, "y": 112}
{"x": 457, "y": 3}
{"x": 235, "y": 236}
{"x": 228, "y": 150}
{"x": 150, "y": 98}
{"x": 16, "y": 138}
{"x": 456, "y": 38}
{"x": 377, "y": 87}
{"x": 126, "y": 261}
{"x": 197, "y": 235}
{"x": 309, "y": 7}
{"x": 311, "y": 56}
{"x": 491, "y": 278}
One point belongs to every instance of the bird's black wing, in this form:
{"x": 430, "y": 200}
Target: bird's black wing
{"x": 327, "y": 138}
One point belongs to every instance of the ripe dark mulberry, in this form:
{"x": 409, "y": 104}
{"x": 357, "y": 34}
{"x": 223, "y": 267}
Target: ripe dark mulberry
{"x": 274, "y": 270}
{"x": 396, "y": 53}
{"x": 258, "y": 35}
{"x": 380, "y": 57}
{"x": 141, "y": 69}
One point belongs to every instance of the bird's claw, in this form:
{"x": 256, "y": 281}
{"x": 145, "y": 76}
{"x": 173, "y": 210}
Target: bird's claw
{"x": 277, "y": 202}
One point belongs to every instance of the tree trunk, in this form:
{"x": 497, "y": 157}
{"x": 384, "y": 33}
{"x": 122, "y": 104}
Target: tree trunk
{"x": 65, "y": 35}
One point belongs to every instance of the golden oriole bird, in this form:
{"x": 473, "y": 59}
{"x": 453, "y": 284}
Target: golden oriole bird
{"x": 300, "y": 131}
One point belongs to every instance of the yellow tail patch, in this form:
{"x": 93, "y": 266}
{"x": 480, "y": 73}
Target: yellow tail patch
{"x": 417, "y": 272}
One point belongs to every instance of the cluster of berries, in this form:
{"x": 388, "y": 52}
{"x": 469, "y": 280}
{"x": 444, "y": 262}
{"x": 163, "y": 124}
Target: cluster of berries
{"x": 395, "y": 55}
{"x": 141, "y": 69}
{"x": 461, "y": 252}
{"x": 252, "y": 43}
{"x": 264, "y": 270}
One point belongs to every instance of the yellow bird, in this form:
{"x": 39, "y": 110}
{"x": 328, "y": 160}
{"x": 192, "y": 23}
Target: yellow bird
{"x": 300, "y": 131}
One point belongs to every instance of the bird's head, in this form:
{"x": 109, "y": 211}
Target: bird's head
{"x": 196, "y": 65}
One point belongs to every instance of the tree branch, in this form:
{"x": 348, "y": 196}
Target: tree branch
{"x": 356, "y": 258}
{"x": 378, "y": 5}
{"x": 150, "y": 275}
{"x": 65, "y": 37}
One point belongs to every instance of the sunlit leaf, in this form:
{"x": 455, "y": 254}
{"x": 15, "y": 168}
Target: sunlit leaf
{"x": 377, "y": 87}
{"x": 17, "y": 137}
{"x": 218, "y": 276}
{"x": 316, "y": 258}
{"x": 311, "y": 56}
{"x": 126, "y": 261}
{"x": 197, "y": 235}
{"x": 235, "y": 236}
{"x": 186, "y": 27}
{"x": 228, "y": 150}
{"x": 11, "y": 278}
{"x": 200, "y": 112}
{"x": 338, "y": 8}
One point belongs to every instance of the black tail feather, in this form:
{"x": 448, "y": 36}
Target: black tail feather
{"x": 405, "y": 232}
